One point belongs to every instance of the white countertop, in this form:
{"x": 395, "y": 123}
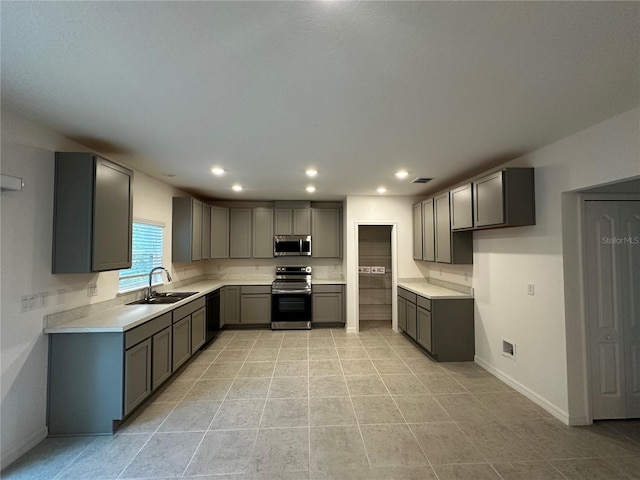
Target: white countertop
{"x": 432, "y": 291}
{"x": 126, "y": 317}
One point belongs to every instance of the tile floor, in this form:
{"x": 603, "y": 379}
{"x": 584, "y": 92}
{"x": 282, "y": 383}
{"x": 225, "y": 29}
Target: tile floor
{"x": 323, "y": 404}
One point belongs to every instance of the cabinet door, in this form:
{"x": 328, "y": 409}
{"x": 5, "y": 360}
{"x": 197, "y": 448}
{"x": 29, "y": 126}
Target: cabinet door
{"x": 137, "y": 375}
{"x": 263, "y": 232}
{"x": 240, "y": 233}
{"x": 326, "y": 237}
{"x": 206, "y": 232}
{"x": 196, "y": 233}
{"x": 302, "y": 221}
{"x": 327, "y": 308}
{"x": 402, "y": 314}
{"x": 219, "y": 232}
{"x": 161, "y": 366}
{"x": 198, "y": 329}
{"x": 230, "y": 306}
{"x": 443, "y": 228}
{"x": 181, "y": 341}
{"x": 423, "y": 335}
{"x": 283, "y": 221}
{"x": 412, "y": 319}
{"x": 255, "y": 308}
{"x": 428, "y": 232}
{"x": 461, "y": 208}
{"x": 489, "y": 200}
{"x": 112, "y": 217}
{"x": 417, "y": 231}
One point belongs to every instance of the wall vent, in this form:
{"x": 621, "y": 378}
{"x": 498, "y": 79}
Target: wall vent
{"x": 508, "y": 348}
{"x": 421, "y": 180}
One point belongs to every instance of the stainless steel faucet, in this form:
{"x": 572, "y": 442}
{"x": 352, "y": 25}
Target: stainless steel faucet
{"x": 149, "y": 291}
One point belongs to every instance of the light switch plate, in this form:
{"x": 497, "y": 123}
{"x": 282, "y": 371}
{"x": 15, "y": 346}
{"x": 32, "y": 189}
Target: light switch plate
{"x": 531, "y": 289}
{"x": 378, "y": 270}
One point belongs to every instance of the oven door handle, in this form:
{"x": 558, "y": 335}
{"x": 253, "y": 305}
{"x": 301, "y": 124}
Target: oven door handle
{"x": 287, "y": 292}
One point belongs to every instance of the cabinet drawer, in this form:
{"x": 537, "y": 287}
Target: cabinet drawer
{"x": 248, "y": 289}
{"x": 424, "y": 303}
{"x": 146, "y": 330}
{"x": 407, "y": 295}
{"x": 188, "y": 309}
{"x": 335, "y": 288}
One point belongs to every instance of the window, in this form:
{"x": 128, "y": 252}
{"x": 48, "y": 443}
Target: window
{"x": 146, "y": 255}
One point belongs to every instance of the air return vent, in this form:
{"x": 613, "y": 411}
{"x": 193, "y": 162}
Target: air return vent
{"x": 508, "y": 348}
{"x": 421, "y": 180}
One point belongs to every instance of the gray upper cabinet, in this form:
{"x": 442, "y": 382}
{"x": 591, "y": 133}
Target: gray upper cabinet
{"x": 417, "y": 231}
{"x": 186, "y": 230}
{"x": 206, "y": 232}
{"x": 240, "y": 233}
{"x": 451, "y": 247}
{"x": 262, "y": 232}
{"x": 93, "y": 200}
{"x": 292, "y": 221}
{"x": 505, "y": 199}
{"x": 326, "y": 233}
{"x": 428, "y": 231}
{"x": 462, "y": 208}
{"x": 219, "y": 232}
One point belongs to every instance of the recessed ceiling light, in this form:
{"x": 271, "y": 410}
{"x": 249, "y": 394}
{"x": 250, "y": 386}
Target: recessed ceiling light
{"x": 311, "y": 172}
{"x": 237, "y": 188}
{"x": 311, "y": 189}
{"x": 401, "y": 173}
{"x": 381, "y": 190}
{"x": 217, "y": 171}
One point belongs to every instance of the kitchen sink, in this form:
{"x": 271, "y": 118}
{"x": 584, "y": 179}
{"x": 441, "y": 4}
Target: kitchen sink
{"x": 163, "y": 298}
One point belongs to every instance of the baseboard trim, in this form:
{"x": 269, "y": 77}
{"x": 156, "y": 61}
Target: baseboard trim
{"x": 530, "y": 394}
{"x": 352, "y": 330}
{"x": 9, "y": 457}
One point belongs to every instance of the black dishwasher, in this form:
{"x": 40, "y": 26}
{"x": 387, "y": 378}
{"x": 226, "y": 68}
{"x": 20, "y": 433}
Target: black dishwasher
{"x": 213, "y": 316}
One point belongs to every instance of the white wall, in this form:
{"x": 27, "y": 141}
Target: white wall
{"x": 25, "y": 266}
{"x": 548, "y": 328}
{"x": 377, "y": 210}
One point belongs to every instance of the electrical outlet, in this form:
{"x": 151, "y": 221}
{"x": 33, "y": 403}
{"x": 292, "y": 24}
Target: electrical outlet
{"x": 92, "y": 290}
{"x": 531, "y": 289}
{"x": 43, "y": 299}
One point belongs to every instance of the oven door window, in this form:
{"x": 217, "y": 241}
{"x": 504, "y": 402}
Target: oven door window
{"x": 291, "y": 307}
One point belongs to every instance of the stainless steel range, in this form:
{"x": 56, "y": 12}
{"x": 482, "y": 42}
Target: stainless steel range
{"x": 291, "y": 298}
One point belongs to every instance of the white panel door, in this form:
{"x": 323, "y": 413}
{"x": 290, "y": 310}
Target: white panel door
{"x": 612, "y": 264}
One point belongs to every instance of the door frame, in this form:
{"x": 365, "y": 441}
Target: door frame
{"x": 394, "y": 268}
{"x": 584, "y": 198}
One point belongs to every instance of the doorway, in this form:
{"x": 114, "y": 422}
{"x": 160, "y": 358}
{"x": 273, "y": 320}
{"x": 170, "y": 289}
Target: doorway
{"x": 612, "y": 269}
{"x": 375, "y": 277}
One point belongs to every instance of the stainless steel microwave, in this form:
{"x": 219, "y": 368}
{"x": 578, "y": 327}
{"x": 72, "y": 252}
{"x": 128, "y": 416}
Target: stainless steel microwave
{"x": 291, "y": 245}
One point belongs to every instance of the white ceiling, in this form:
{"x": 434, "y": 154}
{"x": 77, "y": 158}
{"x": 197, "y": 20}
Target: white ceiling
{"x": 355, "y": 89}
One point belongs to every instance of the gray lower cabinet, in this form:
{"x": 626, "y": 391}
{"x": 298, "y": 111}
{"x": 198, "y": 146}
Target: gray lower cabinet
{"x": 442, "y": 327}
{"x": 240, "y": 233}
{"x": 326, "y": 233}
{"x": 505, "y": 199}
{"x": 255, "y": 304}
{"x": 97, "y": 379}
{"x": 327, "y": 304}
{"x": 92, "y": 214}
{"x": 417, "y": 232}
{"x": 181, "y": 342}
{"x": 219, "y": 232}
{"x": 162, "y": 366}
{"x": 137, "y": 375}
{"x": 198, "y": 329}
{"x": 186, "y": 230}
{"x": 230, "y": 306}
{"x": 188, "y": 330}
{"x": 262, "y": 244}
